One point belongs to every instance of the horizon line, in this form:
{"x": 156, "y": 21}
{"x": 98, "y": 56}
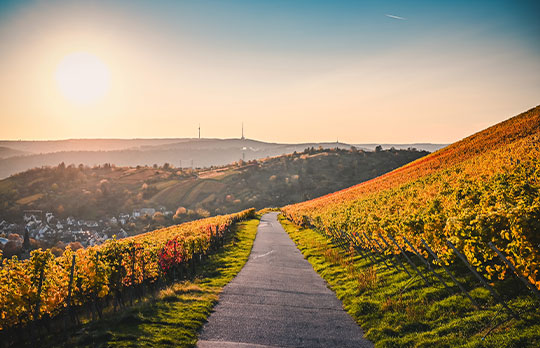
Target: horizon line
{"x": 197, "y": 139}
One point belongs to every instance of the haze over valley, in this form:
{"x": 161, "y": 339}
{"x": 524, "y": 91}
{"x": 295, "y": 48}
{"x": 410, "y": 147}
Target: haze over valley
{"x": 18, "y": 156}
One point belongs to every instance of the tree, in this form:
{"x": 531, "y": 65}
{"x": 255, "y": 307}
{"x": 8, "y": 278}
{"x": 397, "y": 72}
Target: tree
{"x": 158, "y": 218}
{"x": 56, "y": 251}
{"x": 181, "y": 211}
{"x": 12, "y": 248}
{"x": 26, "y": 242}
{"x": 75, "y": 246}
{"x": 202, "y": 212}
{"x": 378, "y": 148}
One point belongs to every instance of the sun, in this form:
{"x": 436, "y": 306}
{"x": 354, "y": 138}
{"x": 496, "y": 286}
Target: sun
{"x": 83, "y": 78}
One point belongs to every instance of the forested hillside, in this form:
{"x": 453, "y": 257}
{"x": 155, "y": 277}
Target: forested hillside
{"x": 19, "y": 156}
{"x": 107, "y": 190}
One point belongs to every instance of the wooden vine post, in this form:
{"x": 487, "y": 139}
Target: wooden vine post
{"x": 395, "y": 256}
{"x": 436, "y": 258}
{"x": 425, "y": 262}
{"x": 528, "y": 284}
{"x": 371, "y": 245}
{"x": 394, "y": 265}
{"x": 409, "y": 260}
{"x": 482, "y": 280}
{"x": 192, "y": 258}
{"x": 94, "y": 295}
{"x": 40, "y": 285}
{"x": 132, "y": 276}
{"x": 143, "y": 273}
{"x": 357, "y": 247}
{"x": 70, "y": 289}
{"x": 368, "y": 252}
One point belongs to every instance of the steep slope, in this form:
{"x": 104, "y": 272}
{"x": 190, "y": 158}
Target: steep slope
{"x": 484, "y": 188}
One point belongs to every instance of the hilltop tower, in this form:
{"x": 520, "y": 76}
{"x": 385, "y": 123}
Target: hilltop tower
{"x": 243, "y": 148}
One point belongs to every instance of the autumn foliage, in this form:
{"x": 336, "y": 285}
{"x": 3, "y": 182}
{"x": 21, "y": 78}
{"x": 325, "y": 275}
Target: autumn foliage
{"x": 484, "y": 188}
{"x": 102, "y": 270}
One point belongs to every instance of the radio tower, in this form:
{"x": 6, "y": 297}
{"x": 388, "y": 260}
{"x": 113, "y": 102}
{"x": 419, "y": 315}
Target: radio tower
{"x": 243, "y": 148}
{"x": 199, "y": 131}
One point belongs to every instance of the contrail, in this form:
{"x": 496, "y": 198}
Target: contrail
{"x": 396, "y": 17}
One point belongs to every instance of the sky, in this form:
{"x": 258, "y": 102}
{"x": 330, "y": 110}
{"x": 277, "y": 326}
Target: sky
{"x": 290, "y": 70}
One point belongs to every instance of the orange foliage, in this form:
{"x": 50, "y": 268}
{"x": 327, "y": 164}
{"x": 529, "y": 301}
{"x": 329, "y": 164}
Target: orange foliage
{"x": 484, "y": 188}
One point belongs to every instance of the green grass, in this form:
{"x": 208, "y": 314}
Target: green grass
{"x": 178, "y": 312}
{"x": 397, "y": 312}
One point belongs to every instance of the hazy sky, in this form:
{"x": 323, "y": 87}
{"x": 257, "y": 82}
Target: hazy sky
{"x": 291, "y": 70}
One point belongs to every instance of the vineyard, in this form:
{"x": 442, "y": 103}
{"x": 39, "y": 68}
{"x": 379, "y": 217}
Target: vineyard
{"x": 45, "y": 287}
{"x": 480, "y": 196}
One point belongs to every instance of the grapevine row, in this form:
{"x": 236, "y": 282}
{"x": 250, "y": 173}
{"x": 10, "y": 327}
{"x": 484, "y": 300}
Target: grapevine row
{"x": 484, "y": 189}
{"x": 44, "y": 285}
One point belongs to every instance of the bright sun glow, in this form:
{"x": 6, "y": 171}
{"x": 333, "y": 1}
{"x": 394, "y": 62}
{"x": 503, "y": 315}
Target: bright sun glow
{"x": 83, "y": 78}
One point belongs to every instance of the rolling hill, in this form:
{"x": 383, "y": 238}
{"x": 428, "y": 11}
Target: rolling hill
{"x": 186, "y": 153}
{"x": 95, "y": 192}
{"x": 6, "y": 152}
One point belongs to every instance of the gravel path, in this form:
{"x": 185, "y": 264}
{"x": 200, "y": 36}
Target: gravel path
{"x": 278, "y": 300}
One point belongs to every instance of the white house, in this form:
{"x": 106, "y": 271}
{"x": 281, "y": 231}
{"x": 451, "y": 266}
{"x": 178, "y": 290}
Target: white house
{"x": 148, "y": 211}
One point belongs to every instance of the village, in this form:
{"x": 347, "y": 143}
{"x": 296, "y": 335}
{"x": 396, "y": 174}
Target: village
{"x": 44, "y": 230}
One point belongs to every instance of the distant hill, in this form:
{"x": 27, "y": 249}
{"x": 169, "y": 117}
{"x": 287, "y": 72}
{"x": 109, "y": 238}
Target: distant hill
{"x": 48, "y": 146}
{"x": 178, "y": 152}
{"x": 88, "y": 192}
{"x": 6, "y": 152}
{"x": 420, "y": 146}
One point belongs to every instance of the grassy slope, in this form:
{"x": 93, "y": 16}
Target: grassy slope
{"x": 174, "y": 317}
{"x": 397, "y": 312}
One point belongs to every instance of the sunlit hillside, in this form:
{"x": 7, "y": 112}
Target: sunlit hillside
{"x": 103, "y": 270}
{"x": 484, "y": 188}
{"x": 95, "y": 192}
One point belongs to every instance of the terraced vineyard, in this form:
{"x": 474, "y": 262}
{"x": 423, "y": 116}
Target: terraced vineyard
{"x": 483, "y": 189}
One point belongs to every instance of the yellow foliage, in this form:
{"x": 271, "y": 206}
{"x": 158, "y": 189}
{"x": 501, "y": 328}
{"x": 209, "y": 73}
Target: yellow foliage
{"x": 485, "y": 188}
